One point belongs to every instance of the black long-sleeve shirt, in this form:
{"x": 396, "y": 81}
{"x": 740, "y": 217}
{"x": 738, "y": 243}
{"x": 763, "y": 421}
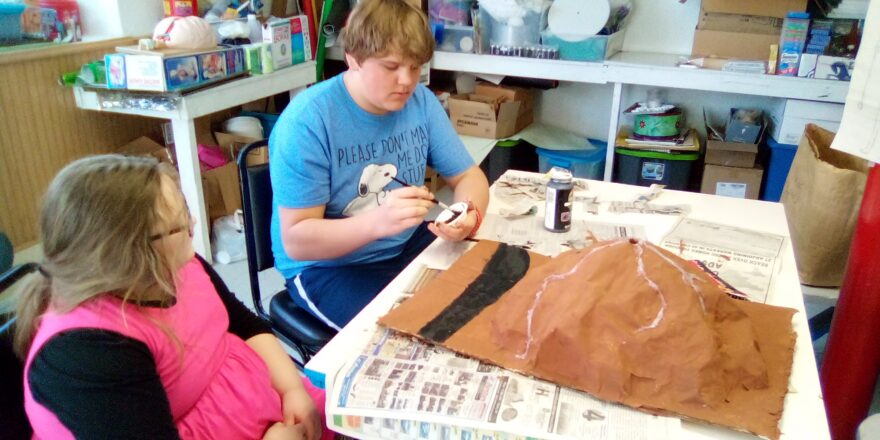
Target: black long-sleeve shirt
{"x": 101, "y": 384}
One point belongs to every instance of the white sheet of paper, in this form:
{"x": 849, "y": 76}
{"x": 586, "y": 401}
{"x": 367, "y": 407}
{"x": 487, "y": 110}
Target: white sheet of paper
{"x": 860, "y": 128}
{"x": 743, "y": 258}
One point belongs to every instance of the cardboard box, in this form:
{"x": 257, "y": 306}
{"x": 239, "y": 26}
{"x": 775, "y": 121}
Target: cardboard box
{"x": 732, "y": 44}
{"x": 752, "y": 24}
{"x": 233, "y": 143}
{"x": 144, "y": 146}
{"x": 766, "y": 8}
{"x": 743, "y": 183}
{"x": 835, "y": 68}
{"x": 731, "y": 154}
{"x": 300, "y": 40}
{"x": 169, "y": 69}
{"x": 524, "y": 96}
{"x": 278, "y": 34}
{"x": 222, "y": 191}
{"x": 807, "y": 66}
{"x": 790, "y": 116}
{"x": 482, "y": 116}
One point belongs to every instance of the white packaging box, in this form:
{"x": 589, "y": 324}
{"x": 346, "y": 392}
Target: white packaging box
{"x": 790, "y": 116}
{"x": 277, "y": 33}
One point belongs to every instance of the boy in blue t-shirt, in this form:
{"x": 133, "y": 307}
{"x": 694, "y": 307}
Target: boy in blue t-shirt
{"x": 342, "y": 225}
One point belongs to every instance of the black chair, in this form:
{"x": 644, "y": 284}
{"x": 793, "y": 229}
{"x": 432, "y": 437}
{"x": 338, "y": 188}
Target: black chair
{"x": 292, "y": 324}
{"x": 15, "y": 424}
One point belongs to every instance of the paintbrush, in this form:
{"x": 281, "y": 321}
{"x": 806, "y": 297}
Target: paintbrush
{"x": 439, "y": 203}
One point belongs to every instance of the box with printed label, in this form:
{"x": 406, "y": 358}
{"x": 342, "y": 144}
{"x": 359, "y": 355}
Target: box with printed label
{"x": 171, "y": 70}
{"x": 743, "y": 183}
{"x": 524, "y": 96}
{"x": 789, "y": 117}
{"x": 482, "y": 116}
{"x": 278, "y": 34}
{"x": 300, "y": 39}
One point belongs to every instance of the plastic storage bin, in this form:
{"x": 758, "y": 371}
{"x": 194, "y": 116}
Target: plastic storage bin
{"x": 457, "y": 39}
{"x": 779, "y": 159}
{"x": 10, "y": 21}
{"x": 595, "y": 48}
{"x": 456, "y": 12}
{"x": 587, "y": 163}
{"x": 640, "y": 167}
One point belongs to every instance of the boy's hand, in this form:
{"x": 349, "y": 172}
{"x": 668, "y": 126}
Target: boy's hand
{"x": 456, "y": 232}
{"x": 402, "y": 209}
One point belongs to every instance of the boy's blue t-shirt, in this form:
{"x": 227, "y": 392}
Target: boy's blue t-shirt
{"x": 326, "y": 150}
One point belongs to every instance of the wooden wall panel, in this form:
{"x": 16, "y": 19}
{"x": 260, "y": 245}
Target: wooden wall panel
{"x": 41, "y": 129}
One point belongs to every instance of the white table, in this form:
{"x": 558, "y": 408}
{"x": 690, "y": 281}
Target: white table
{"x": 804, "y": 414}
{"x": 201, "y": 103}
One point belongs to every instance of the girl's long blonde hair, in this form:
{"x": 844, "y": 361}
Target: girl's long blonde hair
{"x": 96, "y": 223}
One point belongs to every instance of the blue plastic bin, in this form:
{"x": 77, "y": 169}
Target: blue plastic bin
{"x": 10, "y": 21}
{"x": 588, "y": 163}
{"x": 779, "y": 159}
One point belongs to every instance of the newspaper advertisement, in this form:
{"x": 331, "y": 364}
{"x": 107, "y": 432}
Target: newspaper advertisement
{"x": 743, "y": 258}
{"x": 402, "y": 388}
{"x": 529, "y": 233}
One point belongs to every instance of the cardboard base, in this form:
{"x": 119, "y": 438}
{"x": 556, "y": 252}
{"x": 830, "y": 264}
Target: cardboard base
{"x": 624, "y": 321}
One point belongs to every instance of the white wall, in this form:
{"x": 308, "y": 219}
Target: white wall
{"x": 102, "y": 19}
{"x": 664, "y": 26}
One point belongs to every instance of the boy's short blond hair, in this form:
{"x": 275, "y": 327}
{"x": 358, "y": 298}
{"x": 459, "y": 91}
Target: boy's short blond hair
{"x": 377, "y": 28}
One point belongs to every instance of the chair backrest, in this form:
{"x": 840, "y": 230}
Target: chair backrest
{"x": 15, "y": 424}
{"x": 256, "y": 203}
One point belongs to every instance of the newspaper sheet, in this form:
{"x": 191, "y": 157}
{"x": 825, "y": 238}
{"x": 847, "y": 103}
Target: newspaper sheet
{"x": 743, "y": 258}
{"x": 528, "y": 232}
{"x": 401, "y": 388}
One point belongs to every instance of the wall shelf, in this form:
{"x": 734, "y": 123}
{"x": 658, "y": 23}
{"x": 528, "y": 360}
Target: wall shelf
{"x": 645, "y": 68}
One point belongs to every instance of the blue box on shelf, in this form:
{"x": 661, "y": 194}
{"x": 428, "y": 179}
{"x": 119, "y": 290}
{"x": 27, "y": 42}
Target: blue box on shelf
{"x": 10, "y": 21}
{"x": 779, "y": 159}
{"x": 587, "y": 163}
{"x": 594, "y": 48}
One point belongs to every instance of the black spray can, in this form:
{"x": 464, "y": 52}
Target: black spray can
{"x": 557, "y": 214}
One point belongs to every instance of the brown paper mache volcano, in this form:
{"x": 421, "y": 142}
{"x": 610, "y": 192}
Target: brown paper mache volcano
{"x": 623, "y": 320}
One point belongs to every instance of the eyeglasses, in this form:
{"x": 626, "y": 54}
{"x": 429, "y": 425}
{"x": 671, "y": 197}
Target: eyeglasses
{"x": 188, "y": 226}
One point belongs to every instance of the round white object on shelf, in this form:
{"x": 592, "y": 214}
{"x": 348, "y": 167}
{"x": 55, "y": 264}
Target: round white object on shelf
{"x": 244, "y": 126}
{"x": 185, "y": 33}
{"x": 575, "y": 20}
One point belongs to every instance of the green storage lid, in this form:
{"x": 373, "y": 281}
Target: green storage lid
{"x": 508, "y": 143}
{"x": 657, "y": 154}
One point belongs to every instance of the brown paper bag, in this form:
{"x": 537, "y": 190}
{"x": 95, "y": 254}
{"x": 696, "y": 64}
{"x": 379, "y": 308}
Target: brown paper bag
{"x": 822, "y": 197}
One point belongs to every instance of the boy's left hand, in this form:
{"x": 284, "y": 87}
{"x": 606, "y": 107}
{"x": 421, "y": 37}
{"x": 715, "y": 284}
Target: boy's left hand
{"x": 457, "y": 232}
{"x": 297, "y": 407}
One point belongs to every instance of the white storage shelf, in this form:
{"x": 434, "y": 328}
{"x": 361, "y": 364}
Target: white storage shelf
{"x": 643, "y": 69}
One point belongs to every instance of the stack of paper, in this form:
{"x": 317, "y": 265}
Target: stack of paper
{"x": 687, "y": 141}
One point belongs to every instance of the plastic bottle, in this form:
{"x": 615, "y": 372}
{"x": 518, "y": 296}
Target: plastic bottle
{"x": 557, "y": 214}
{"x": 228, "y": 239}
